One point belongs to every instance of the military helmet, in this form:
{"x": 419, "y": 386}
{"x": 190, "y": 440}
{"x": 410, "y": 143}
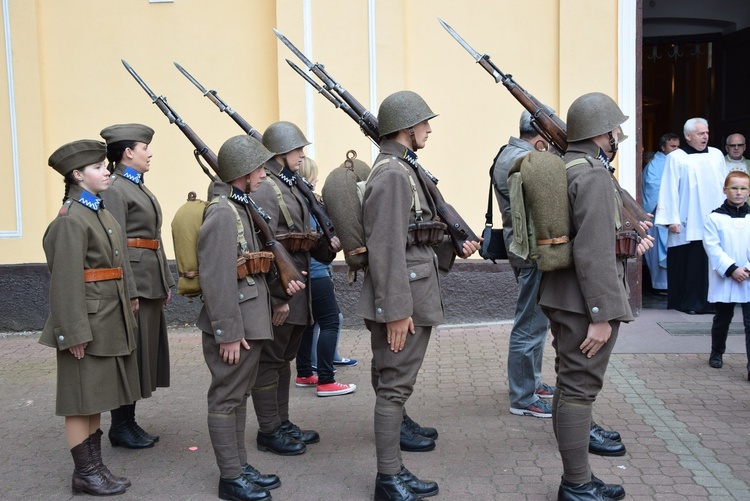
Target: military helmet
{"x": 283, "y": 137}
{"x": 593, "y": 114}
{"x": 402, "y": 110}
{"x": 239, "y": 156}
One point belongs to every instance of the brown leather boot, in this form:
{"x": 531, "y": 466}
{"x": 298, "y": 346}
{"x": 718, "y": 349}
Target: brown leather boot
{"x": 87, "y": 476}
{"x": 95, "y": 440}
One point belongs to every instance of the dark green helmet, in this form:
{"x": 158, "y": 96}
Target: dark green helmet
{"x": 283, "y": 137}
{"x": 239, "y": 156}
{"x": 593, "y": 114}
{"x": 402, "y": 110}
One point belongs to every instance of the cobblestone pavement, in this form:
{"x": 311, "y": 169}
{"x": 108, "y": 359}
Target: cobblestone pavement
{"x": 686, "y": 426}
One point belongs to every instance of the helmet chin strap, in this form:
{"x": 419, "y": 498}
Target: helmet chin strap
{"x": 413, "y": 139}
{"x": 613, "y": 145}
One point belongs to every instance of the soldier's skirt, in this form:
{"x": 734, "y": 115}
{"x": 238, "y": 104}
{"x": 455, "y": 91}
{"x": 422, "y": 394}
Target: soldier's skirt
{"x": 153, "y": 345}
{"x": 95, "y": 384}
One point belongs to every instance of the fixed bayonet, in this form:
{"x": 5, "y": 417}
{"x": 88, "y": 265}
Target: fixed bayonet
{"x": 294, "y": 49}
{"x": 482, "y": 59}
{"x": 159, "y": 101}
{"x": 336, "y": 102}
{"x": 191, "y": 78}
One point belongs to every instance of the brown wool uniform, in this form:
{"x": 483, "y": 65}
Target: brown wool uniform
{"x": 271, "y": 392}
{"x": 97, "y": 313}
{"x": 139, "y": 214}
{"x": 594, "y": 290}
{"x": 400, "y": 282}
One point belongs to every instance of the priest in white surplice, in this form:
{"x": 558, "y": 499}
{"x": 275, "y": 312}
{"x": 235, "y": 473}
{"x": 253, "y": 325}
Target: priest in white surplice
{"x": 691, "y": 188}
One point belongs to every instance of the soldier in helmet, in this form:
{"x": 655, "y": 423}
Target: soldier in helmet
{"x": 587, "y": 302}
{"x": 236, "y": 314}
{"x": 290, "y": 220}
{"x": 400, "y": 299}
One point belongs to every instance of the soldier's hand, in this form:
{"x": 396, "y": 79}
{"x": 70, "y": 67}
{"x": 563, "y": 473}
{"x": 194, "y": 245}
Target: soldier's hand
{"x": 397, "y": 331}
{"x": 335, "y": 244}
{"x": 230, "y": 352}
{"x": 280, "y": 312}
{"x": 596, "y": 337}
{"x": 644, "y": 245}
{"x": 134, "y": 305}
{"x": 169, "y": 296}
{"x": 78, "y": 350}
{"x": 471, "y": 247}
{"x": 294, "y": 287}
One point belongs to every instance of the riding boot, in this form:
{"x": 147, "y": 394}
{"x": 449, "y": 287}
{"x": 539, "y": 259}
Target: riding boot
{"x": 122, "y": 435}
{"x": 95, "y": 441}
{"x": 87, "y": 476}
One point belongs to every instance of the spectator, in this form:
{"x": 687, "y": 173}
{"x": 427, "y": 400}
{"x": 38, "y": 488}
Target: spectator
{"x": 735, "y": 159}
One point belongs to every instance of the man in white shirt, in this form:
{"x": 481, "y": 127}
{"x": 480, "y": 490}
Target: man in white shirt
{"x": 691, "y": 188}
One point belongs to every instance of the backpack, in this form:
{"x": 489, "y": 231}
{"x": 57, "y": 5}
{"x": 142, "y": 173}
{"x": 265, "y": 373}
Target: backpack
{"x": 538, "y": 189}
{"x": 186, "y": 226}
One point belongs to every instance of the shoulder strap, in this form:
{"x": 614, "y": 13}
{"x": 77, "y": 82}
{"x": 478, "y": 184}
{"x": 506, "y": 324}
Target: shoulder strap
{"x": 282, "y": 205}
{"x": 414, "y": 198}
{"x": 240, "y": 228}
{"x": 488, "y": 214}
{"x": 577, "y": 161}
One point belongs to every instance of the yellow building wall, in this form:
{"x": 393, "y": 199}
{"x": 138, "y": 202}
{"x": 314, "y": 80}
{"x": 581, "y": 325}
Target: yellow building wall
{"x": 69, "y": 83}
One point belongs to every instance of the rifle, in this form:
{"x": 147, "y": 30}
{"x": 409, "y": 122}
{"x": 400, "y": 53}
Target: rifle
{"x": 368, "y": 123}
{"x": 287, "y": 271}
{"x": 550, "y": 127}
{"x": 304, "y": 186}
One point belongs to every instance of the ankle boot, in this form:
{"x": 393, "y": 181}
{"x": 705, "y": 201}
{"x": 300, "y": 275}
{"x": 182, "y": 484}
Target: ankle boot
{"x": 241, "y": 489}
{"x": 392, "y": 488}
{"x": 279, "y": 443}
{"x": 87, "y": 476}
{"x": 130, "y": 410}
{"x": 421, "y": 488}
{"x": 95, "y": 441}
{"x": 425, "y": 431}
{"x": 266, "y": 481}
{"x": 122, "y": 435}
{"x": 305, "y": 436}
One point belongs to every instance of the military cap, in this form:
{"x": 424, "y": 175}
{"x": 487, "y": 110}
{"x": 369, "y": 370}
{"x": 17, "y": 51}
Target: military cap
{"x": 76, "y": 155}
{"x": 127, "y": 132}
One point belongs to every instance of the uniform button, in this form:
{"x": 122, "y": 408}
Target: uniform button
{"x": 595, "y": 309}
{"x": 380, "y": 310}
{"x": 412, "y": 275}
{"x": 61, "y": 338}
{"x": 223, "y": 196}
{"x": 218, "y": 332}
{"x": 242, "y": 296}
{"x": 117, "y": 253}
{"x": 109, "y": 231}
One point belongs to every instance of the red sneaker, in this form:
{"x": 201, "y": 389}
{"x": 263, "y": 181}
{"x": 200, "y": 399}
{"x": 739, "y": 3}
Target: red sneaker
{"x": 332, "y": 389}
{"x": 306, "y": 382}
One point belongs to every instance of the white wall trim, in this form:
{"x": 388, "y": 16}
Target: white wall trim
{"x": 626, "y": 55}
{"x": 309, "y": 96}
{"x": 18, "y": 232}
{"x": 373, "y": 53}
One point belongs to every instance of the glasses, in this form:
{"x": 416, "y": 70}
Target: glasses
{"x": 736, "y": 145}
{"x": 737, "y": 188}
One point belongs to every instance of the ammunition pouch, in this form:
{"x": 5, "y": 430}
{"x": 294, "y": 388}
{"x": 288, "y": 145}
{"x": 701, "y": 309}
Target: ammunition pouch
{"x": 626, "y": 244}
{"x": 429, "y": 233}
{"x": 298, "y": 242}
{"x": 253, "y": 263}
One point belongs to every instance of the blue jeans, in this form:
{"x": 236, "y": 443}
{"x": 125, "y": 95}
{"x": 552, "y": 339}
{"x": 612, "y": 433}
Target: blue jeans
{"x": 326, "y": 314}
{"x": 526, "y": 341}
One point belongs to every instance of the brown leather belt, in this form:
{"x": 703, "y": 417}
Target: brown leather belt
{"x": 143, "y": 243}
{"x": 99, "y": 274}
{"x": 358, "y": 250}
{"x": 553, "y": 241}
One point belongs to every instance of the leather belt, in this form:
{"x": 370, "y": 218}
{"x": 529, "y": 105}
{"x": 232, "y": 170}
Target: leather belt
{"x": 100, "y": 274}
{"x": 358, "y": 250}
{"x": 143, "y": 243}
{"x": 553, "y": 241}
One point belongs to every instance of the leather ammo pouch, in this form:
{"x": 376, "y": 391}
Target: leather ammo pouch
{"x": 298, "y": 242}
{"x": 626, "y": 244}
{"x": 426, "y": 233}
{"x": 253, "y": 263}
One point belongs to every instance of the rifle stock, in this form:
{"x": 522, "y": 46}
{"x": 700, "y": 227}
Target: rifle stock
{"x": 458, "y": 229}
{"x": 306, "y": 189}
{"x": 550, "y": 127}
{"x": 284, "y": 265}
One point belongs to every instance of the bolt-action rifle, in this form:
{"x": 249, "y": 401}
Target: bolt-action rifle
{"x": 550, "y": 127}
{"x": 304, "y": 186}
{"x": 284, "y": 265}
{"x": 341, "y": 98}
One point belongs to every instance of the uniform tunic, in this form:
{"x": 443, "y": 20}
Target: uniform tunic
{"x": 139, "y": 214}
{"x": 97, "y": 313}
{"x": 233, "y": 308}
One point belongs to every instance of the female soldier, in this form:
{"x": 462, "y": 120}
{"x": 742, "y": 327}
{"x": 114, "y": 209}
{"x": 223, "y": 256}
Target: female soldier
{"x": 139, "y": 215}
{"x": 90, "y": 321}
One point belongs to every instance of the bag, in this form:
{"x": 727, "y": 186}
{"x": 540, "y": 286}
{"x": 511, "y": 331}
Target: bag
{"x": 186, "y": 226}
{"x": 493, "y": 245}
{"x": 538, "y": 188}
